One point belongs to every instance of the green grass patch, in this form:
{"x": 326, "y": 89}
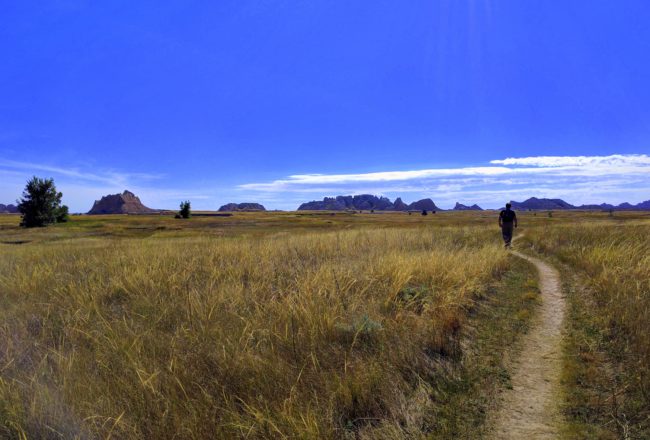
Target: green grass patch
{"x": 593, "y": 402}
{"x": 469, "y": 388}
{"x": 606, "y": 373}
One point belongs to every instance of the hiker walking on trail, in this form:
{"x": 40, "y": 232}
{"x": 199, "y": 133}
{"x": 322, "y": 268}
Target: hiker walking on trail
{"x": 507, "y": 220}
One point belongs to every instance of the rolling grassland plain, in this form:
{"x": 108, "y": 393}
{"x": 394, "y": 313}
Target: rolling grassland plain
{"x": 606, "y": 271}
{"x": 311, "y": 325}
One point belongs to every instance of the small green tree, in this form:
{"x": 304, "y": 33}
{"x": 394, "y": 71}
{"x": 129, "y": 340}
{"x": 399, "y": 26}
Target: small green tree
{"x": 185, "y": 211}
{"x": 40, "y": 204}
{"x": 62, "y": 214}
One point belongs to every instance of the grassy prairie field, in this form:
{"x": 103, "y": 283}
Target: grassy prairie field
{"x": 607, "y": 363}
{"x": 289, "y": 325}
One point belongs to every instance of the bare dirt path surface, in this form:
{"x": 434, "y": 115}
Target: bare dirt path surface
{"x": 530, "y": 410}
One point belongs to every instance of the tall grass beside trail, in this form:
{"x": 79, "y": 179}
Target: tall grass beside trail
{"x": 323, "y": 335}
{"x": 616, "y": 262}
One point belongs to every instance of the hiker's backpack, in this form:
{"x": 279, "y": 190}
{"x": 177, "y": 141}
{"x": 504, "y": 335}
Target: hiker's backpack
{"x": 507, "y": 215}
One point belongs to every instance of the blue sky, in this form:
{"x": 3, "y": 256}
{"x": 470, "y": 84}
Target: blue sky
{"x": 287, "y": 101}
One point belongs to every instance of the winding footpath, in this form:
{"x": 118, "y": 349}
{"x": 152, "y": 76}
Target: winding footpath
{"x": 530, "y": 410}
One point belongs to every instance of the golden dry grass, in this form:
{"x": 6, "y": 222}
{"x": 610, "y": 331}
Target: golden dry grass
{"x": 312, "y": 335}
{"x": 286, "y": 325}
{"x": 610, "y": 317}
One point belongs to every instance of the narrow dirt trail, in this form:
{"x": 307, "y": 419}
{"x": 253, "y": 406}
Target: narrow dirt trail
{"x": 530, "y": 409}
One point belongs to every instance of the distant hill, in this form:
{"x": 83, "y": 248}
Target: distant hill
{"x": 399, "y": 205}
{"x": 559, "y": 204}
{"x": 8, "y": 209}
{"x": 603, "y": 206}
{"x": 342, "y": 203}
{"x": 643, "y": 206}
{"x": 366, "y": 202}
{"x": 424, "y": 205}
{"x": 125, "y": 203}
{"x": 535, "y": 203}
{"x": 232, "y": 207}
{"x": 461, "y": 207}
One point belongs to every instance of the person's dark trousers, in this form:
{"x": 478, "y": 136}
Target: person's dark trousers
{"x": 506, "y": 230}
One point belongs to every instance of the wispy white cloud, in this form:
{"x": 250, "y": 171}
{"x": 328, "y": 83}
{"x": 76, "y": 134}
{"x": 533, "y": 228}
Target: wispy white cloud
{"x": 555, "y": 165}
{"x": 106, "y": 176}
{"x": 578, "y": 179}
{"x": 81, "y": 187}
{"x": 614, "y": 160}
{"x": 584, "y": 179}
{"x": 386, "y": 176}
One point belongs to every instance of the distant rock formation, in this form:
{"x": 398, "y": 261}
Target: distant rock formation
{"x": 461, "y": 207}
{"x": 424, "y": 205}
{"x": 328, "y": 204}
{"x": 342, "y": 203}
{"x": 8, "y": 209}
{"x": 232, "y": 207}
{"x": 603, "y": 206}
{"x": 366, "y": 202}
{"x": 125, "y": 203}
{"x": 643, "y": 205}
{"x": 399, "y": 205}
{"x": 535, "y": 203}
{"x": 558, "y": 204}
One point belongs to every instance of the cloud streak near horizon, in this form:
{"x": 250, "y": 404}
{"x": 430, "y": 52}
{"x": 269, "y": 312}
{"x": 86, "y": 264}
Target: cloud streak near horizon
{"x": 578, "y": 179}
{"x": 112, "y": 177}
{"x": 584, "y": 179}
{"x": 556, "y": 165}
{"x": 81, "y": 187}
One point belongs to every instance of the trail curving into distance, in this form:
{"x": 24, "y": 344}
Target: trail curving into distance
{"x": 530, "y": 410}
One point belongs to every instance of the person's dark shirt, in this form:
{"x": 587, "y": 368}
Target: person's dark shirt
{"x": 508, "y": 216}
